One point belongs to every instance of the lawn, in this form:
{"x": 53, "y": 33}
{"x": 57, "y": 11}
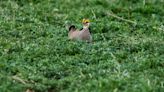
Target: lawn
{"x": 127, "y": 53}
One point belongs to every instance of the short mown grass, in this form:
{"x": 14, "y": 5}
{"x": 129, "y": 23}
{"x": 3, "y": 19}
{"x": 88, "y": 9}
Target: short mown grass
{"x": 124, "y": 57}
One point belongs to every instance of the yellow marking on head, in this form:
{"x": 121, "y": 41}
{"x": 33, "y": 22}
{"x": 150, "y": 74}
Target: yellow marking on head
{"x": 85, "y": 21}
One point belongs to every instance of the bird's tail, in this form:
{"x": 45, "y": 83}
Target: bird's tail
{"x": 72, "y": 27}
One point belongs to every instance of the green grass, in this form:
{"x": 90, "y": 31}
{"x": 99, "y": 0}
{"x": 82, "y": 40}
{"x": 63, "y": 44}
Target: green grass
{"x": 123, "y": 58}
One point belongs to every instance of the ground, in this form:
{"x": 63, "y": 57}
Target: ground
{"x": 127, "y": 54}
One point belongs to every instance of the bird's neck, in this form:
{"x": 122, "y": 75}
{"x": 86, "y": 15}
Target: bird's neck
{"x": 85, "y": 27}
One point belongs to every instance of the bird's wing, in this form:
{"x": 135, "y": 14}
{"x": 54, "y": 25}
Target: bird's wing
{"x": 84, "y": 34}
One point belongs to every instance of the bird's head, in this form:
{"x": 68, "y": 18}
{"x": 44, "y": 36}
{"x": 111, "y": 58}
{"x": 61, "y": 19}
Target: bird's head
{"x": 86, "y": 23}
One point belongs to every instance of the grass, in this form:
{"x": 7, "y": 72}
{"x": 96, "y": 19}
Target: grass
{"x": 124, "y": 57}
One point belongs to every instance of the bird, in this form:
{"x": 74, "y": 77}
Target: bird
{"x": 83, "y": 34}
